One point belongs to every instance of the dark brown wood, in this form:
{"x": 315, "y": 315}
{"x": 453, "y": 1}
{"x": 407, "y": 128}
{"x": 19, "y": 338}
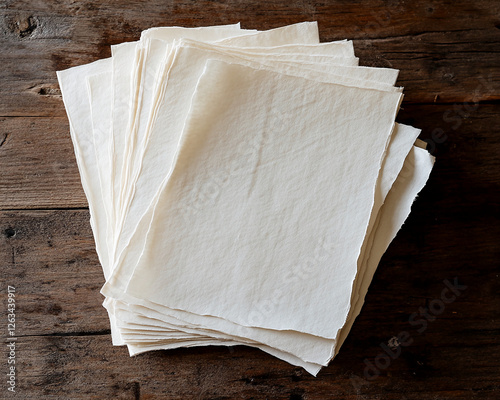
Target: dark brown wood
{"x": 436, "y": 44}
{"x": 448, "y": 53}
{"x": 39, "y": 163}
{"x": 87, "y": 367}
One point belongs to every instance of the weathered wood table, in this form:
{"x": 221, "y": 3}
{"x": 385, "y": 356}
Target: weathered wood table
{"x": 449, "y": 56}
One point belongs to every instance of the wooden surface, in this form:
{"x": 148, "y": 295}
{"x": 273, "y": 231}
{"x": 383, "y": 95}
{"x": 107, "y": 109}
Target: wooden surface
{"x": 448, "y": 54}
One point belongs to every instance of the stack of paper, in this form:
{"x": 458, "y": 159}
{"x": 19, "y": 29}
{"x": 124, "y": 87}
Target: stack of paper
{"x": 243, "y": 185}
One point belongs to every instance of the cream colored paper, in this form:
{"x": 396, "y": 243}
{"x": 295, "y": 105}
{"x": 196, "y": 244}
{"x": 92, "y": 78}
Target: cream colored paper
{"x": 177, "y": 320}
{"x": 161, "y": 149}
{"x": 413, "y": 176}
{"x": 253, "y": 201}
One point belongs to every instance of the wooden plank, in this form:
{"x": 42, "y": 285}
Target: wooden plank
{"x": 55, "y": 250}
{"x": 38, "y": 164}
{"x": 49, "y": 257}
{"x": 437, "y": 64}
{"x": 79, "y": 367}
{"x": 39, "y": 168}
{"x": 448, "y": 56}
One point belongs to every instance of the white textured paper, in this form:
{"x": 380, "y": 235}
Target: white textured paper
{"x": 240, "y": 191}
{"x": 263, "y": 220}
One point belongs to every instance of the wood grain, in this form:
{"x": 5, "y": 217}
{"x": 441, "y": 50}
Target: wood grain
{"x": 448, "y": 54}
{"x": 435, "y": 44}
{"x": 55, "y": 370}
{"x": 41, "y": 172}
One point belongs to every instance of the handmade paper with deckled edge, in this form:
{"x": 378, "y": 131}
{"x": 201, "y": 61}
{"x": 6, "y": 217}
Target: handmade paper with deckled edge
{"x": 156, "y": 51}
{"x": 175, "y": 110}
{"x": 267, "y": 206}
